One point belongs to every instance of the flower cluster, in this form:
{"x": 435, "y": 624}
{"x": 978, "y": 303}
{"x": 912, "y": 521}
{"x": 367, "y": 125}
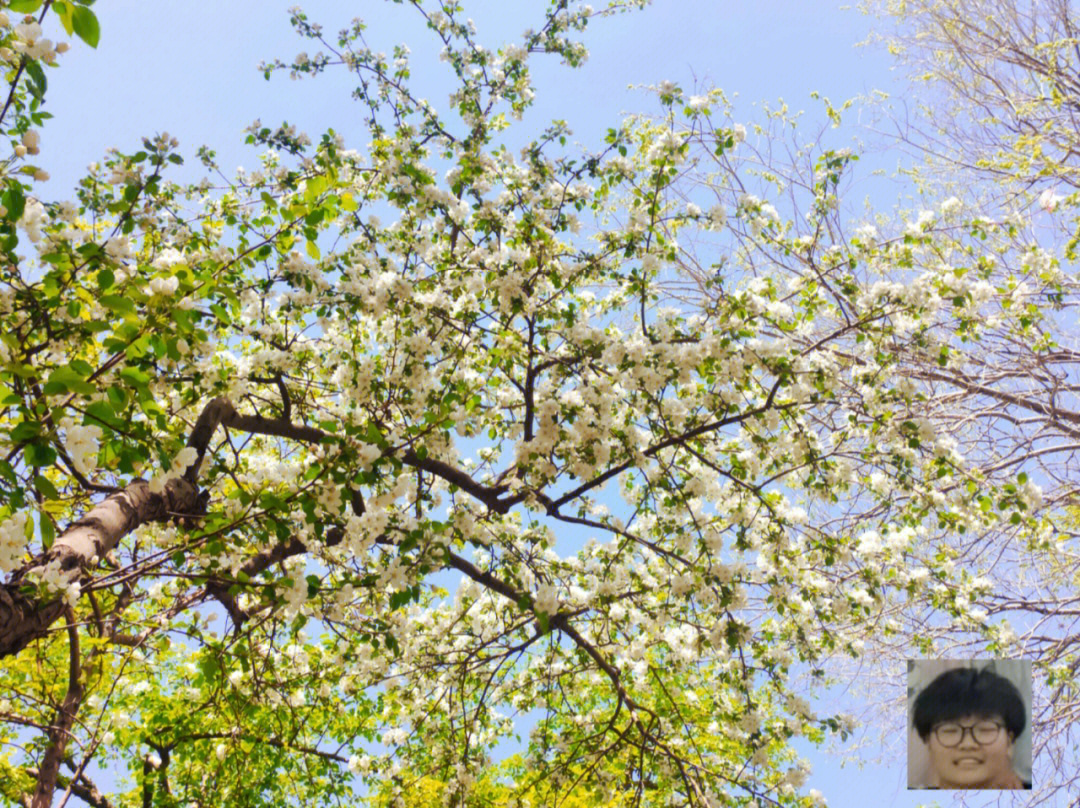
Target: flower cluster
{"x": 81, "y": 443}
{"x": 13, "y": 541}
{"x": 184, "y": 458}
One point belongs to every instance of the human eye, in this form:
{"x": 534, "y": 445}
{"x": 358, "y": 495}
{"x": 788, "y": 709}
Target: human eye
{"x": 948, "y": 732}
{"x": 986, "y": 732}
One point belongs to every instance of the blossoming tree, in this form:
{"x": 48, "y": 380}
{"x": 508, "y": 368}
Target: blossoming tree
{"x": 995, "y": 134}
{"x": 424, "y": 421}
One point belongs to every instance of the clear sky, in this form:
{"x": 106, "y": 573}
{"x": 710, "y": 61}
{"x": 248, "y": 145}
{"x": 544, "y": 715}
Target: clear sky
{"x": 189, "y": 67}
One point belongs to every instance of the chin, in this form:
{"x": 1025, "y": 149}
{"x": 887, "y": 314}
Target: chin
{"x": 972, "y": 778}
{"x": 958, "y": 781}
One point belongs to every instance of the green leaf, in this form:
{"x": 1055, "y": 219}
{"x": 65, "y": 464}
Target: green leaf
{"x": 45, "y": 486}
{"x": 118, "y": 304}
{"x": 25, "y": 431}
{"x": 40, "y": 454}
{"x": 103, "y": 411}
{"x": 135, "y": 377}
{"x": 37, "y": 78}
{"x": 25, "y": 6}
{"x": 374, "y": 436}
{"x": 64, "y": 380}
{"x": 315, "y": 186}
{"x": 118, "y": 397}
{"x": 14, "y": 200}
{"x": 48, "y": 532}
{"x": 86, "y": 25}
{"x": 209, "y": 666}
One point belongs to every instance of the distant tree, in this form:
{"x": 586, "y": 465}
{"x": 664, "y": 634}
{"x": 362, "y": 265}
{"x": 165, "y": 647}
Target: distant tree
{"x": 1000, "y": 82}
{"x": 993, "y": 215}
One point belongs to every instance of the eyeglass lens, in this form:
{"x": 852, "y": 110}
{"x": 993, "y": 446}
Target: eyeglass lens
{"x": 953, "y": 734}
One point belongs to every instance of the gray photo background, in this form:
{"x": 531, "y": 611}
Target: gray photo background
{"x": 923, "y": 671}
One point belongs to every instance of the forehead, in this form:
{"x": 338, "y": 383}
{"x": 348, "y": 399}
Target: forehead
{"x": 972, "y": 718}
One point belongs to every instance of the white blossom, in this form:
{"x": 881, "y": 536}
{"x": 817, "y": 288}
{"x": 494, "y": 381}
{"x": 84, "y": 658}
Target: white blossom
{"x": 81, "y": 443}
{"x": 12, "y": 541}
{"x": 165, "y": 287}
{"x": 546, "y": 599}
{"x": 32, "y": 219}
{"x": 951, "y": 207}
{"x": 1049, "y": 200}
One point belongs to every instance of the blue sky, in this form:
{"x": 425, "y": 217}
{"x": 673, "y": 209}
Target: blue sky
{"x": 189, "y": 67}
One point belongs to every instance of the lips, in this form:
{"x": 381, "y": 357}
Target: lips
{"x": 967, "y": 762}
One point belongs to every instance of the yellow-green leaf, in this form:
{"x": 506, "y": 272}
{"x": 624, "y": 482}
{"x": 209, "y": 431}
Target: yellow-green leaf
{"x": 86, "y": 25}
{"x": 25, "y": 6}
{"x": 65, "y": 12}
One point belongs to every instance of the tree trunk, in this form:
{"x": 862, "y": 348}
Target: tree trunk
{"x": 24, "y": 617}
{"x": 60, "y": 732}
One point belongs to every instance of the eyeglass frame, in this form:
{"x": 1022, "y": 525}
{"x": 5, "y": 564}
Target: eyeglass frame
{"x": 964, "y": 729}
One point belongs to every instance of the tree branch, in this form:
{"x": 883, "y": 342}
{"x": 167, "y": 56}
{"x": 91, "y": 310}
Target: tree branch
{"x": 23, "y": 616}
{"x": 81, "y": 787}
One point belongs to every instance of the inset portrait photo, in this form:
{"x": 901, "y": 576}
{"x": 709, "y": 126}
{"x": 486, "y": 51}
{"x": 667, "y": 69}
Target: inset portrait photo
{"x": 969, "y": 724}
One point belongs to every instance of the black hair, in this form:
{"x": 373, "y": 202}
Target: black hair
{"x": 966, "y": 691}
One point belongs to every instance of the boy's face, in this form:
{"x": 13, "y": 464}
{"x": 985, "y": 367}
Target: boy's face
{"x": 961, "y": 761}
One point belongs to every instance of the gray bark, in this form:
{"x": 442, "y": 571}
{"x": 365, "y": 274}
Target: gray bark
{"x": 23, "y": 616}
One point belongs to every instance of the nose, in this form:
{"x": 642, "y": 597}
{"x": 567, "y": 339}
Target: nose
{"x": 967, "y": 739}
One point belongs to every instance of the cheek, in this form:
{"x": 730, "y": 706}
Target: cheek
{"x": 938, "y": 756}
{"x": 1002, "y": 756}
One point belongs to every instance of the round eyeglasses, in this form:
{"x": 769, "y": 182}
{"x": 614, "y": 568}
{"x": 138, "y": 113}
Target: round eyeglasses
{"x": 951, "y": 734}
